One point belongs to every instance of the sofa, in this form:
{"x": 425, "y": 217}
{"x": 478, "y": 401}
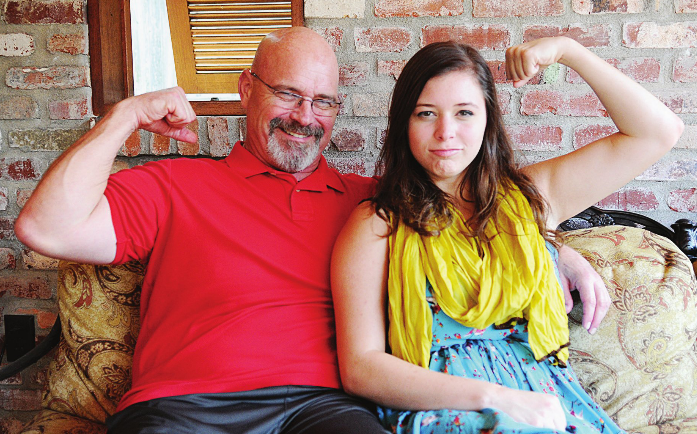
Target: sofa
{"x": 640, "y": 366}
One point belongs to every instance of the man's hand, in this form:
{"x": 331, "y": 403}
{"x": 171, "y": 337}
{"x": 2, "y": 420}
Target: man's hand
{"x": 577, "y": 273}
{"x": 166, "y": 112}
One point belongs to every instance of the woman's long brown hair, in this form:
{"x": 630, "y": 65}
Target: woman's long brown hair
{"x": 406, "y": 193}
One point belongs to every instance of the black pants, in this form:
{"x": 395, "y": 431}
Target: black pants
{"x": 278, "y": 410}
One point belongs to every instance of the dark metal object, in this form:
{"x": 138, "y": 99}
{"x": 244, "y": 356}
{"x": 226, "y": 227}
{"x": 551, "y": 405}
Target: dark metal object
{"x": 684, "y": 236}
{"x": 50, "y": 341}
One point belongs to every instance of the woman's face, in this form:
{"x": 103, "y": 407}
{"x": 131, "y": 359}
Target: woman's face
{"x": 447, "y": 126}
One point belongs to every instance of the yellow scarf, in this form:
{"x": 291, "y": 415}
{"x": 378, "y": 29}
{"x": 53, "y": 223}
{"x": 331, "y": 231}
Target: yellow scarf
{"x": 513, "y": 278}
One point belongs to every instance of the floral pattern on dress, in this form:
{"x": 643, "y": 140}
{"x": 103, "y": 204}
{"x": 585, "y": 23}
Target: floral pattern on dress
{"x": 501, "y": 356}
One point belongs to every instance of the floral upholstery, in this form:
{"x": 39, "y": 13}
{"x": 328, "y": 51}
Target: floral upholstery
{"x": 640, "y": 365}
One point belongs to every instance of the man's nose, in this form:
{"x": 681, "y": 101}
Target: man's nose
{"x": 303, "y": 112}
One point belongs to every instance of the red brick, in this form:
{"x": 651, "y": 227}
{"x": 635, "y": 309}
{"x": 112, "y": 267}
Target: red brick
{"x": 671, "y": 171}
{"x": 20, "y": 400}
{"x": 18, "y": 170}
{"x": 679, "y": 102}
{"x": 685, "y": 6}
{"x": 332, "y": 35}
{"x": 391, "y": 67}
{"x": 25, "y": 287}
{"x": 381, "y": 39}
{"x": 350, "y": 165}
{"x": 587, "y": 134}
{"x": 3, "y": 199}
{"x": 16, "y": 44}
{"x": 186, "y": 148}
{"x": 132, "y": 146}
{"x": 631, "y": 199}
{"x": 683, "y": 200}
{"x": 159, "y": 144}
{"x": 219, "y": 136}
{"x": 10, "y": 425}
{"x": 643, "y": 70}
{"x": 7, "y": 228}
{"x": 561, "y": 104}
{"x": 516, "y": 8}
{"x": 69, "y": 109}
{"x": 418, "y": 8}
{"x": 685, "y": 69}
{"x": 370, "y": 105}
{"x": 34, "y": 260}
{"x": 354, "y": 73}
{"x": 18, "y": 107}
{"x": 348, "y": 140}
{"x": 44, "y": 319}
{"x": 23, "y": 196}
{"x": 535, "y": 137}
{"x": 585, "y": 7}
{"x": 8, "y": 259}
{"x": 51, "y": 77}
{"x": 242, "y": 121}
{"x": 482, "y": 38}
{"x": 44, "y": 12}
{"x": 594, "y": 36}
{"x": 74, "y": 43}
{"x": 504, "y": 97}
{"x": 652, "y": 35}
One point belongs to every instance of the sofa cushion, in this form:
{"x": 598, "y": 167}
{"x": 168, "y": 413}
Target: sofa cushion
{"x": 641, "y": 365}
{"x": 99, "y": 309}
{"x": 53, "y": 422}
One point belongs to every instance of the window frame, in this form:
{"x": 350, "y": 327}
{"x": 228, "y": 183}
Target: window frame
{"x": 111, "y": 59}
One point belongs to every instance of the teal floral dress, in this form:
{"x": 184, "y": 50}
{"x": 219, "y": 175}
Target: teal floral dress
{"x": 503, "y": 357}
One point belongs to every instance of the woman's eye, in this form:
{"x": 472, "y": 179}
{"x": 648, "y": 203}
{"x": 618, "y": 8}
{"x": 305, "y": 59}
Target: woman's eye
{"x": 424, "y": 114}
{"x": 465, "y": 113}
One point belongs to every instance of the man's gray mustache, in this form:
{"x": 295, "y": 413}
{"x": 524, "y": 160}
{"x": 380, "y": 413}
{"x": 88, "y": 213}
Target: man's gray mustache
{"x": 294, "y": 127}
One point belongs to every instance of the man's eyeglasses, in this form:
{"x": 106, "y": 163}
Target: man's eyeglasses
{"x": 291, "y": 101}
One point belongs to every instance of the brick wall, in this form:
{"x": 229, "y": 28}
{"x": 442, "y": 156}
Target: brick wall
{"x": 45, "y": 105}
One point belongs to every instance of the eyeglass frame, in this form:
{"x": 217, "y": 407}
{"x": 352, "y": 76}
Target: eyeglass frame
{"x": 299, "y": 98}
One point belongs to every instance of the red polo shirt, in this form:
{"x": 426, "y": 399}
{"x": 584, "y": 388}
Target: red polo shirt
{"x": 236, "y": 295}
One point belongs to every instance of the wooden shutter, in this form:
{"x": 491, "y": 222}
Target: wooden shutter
{"x": 215, "y": 40}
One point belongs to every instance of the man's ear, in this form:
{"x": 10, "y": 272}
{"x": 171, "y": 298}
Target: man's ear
{"x": 244, "y": 87}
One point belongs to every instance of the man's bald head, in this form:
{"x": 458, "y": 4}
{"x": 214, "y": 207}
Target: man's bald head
{"x": 296, "y": 61}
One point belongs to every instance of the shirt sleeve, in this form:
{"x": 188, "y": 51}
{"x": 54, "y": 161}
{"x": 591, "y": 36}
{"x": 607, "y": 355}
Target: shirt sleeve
{"x": 139, "y": 199}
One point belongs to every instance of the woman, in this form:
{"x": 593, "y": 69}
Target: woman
{"x": 448, "y": 308}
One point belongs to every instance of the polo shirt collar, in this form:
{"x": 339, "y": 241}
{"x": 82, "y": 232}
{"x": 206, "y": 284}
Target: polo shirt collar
{"x": 247, "y": 165}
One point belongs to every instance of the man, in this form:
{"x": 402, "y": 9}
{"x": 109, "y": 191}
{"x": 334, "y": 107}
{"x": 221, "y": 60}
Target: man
{"x": 237, "y": 330}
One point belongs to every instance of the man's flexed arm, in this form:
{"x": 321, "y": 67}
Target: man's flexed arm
{"x": 68, "y": 215}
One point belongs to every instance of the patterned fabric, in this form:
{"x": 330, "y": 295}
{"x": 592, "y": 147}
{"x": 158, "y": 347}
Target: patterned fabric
{"x": 99, "y": 308}
{"x": 641, "y": 365}
{"x": 498, "y": 356}
{"x": 53, "y": 422}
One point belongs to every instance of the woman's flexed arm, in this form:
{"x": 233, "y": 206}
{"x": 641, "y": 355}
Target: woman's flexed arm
{"x": 647, "y": 128}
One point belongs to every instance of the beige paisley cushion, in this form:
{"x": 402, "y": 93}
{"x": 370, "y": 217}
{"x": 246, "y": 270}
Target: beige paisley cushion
{"x": 641, "y": 365}
{"x": 99, "y": 307}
